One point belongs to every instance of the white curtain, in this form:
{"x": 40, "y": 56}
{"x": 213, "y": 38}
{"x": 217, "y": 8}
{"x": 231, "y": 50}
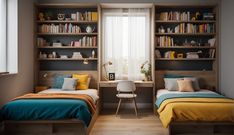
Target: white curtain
{"x": 126, "y": 41}
{"x": 3, "y": 36}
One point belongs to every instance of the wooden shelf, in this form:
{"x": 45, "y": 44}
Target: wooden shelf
{"x": 68, "y": 47}
{"x": 185, "y": 59}
{"x": 57, "y": 21}
{"x": 66, "y": 34}
{"x": 184, "y": 47}
{"x": 174, "y": 21}
{"x": 65, "y": 5}
{"x": 185, "y": 34}
{"x": 66, "y": 59}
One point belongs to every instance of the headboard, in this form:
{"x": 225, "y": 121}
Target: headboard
{"x": 207, "y": 79}
{"x": 46, "y": 77}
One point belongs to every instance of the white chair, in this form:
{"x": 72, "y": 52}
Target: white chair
{"x": 126, "y": 91}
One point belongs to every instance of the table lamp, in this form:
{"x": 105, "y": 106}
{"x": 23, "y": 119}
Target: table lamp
{"x": 104, "y": 66}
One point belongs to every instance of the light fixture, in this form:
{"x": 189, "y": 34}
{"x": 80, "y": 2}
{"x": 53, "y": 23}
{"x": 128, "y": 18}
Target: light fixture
{"x": 104, "y": 66}
{"x": 85, "y": 61}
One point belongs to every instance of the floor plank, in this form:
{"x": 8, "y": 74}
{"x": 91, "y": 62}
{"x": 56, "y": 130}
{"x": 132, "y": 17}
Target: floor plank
{"x": 126, "y": 123}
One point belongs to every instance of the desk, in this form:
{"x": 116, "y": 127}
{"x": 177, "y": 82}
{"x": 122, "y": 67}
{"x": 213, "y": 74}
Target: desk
{"x": 143, "y": 84}
{"x": 137, "y": 83}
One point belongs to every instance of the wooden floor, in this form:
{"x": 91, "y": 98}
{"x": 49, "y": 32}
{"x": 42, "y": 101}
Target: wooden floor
{"x": 126, "y": 123}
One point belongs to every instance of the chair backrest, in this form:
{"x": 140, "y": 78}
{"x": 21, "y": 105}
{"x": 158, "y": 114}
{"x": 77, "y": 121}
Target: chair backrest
{"x": 126, "y": 86}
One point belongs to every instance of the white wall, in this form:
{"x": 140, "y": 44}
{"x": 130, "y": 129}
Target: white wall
{"x": 15, "y": 85}
{"x": 227, "y": 48}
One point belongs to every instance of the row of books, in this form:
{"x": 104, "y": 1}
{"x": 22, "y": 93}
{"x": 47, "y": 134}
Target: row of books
{"x": 176, "y": 16}
{"x": 42, "y": 42}
{"x": 61, "y": 28}
{"x": 86, "y": 16}
{"x": 194, "y": 28}
{"x": 85, "y": 42}
{"x": 165, "y": 41}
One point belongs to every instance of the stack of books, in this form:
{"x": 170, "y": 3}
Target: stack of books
{"x": 176, "y": 16}
{"x": 194, "y": 28}
{"x": 61, "y": 28}
{"x": 85, "y": 42}
{"x": 86, "y": 16}
{"x": 165, "y": 41}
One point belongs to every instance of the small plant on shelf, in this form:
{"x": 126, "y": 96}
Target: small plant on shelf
{"x": 146, "y": 70}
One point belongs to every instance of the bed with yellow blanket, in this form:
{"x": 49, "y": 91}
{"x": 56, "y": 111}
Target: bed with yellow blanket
{"x": 195, "y": 107}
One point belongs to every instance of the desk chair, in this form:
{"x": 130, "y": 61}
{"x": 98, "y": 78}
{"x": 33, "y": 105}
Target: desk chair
{"x": 126, "y": 91}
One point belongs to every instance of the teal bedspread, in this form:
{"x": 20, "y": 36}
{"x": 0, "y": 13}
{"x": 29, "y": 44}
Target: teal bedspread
{"x": 186, "y": 95}
{"x": 46, "y": 109}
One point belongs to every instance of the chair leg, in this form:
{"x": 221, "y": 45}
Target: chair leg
{"x": 118, "y": 107}
{"x": 135, "y": 106}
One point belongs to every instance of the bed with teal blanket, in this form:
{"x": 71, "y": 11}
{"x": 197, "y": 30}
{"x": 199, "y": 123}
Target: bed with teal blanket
{"x": 59, "y": 107}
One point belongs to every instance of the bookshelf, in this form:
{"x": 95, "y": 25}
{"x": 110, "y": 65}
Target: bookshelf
{"x": 63, "y": 30}
{"x": 186, "y": 39}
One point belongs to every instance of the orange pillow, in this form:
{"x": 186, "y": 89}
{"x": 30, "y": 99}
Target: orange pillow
{"x": 185, "y": 85}
{"x": 82, "y": 81}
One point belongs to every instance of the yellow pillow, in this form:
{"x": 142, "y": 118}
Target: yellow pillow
{"x": 82, "y": 81}
{"x": 185, "y": 85}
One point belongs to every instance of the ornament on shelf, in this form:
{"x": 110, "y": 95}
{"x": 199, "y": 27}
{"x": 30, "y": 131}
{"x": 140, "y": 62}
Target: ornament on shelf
{"x": 61, "y": 17}
{"x": 77, "y": 55}
{"x": 93, "y": 54}
{"x": 41, "y": 17}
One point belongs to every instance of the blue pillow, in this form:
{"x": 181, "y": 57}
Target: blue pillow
{"x": 175, "y": 76}
{"x": 58, "y": 81}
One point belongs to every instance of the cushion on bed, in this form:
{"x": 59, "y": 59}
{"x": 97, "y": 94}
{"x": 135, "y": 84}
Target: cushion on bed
{"x": 58, "y": 80}
{"x": 69, "y": 84}
{"x": 185, "y": 85}
{"x": 171, "y": 84}
{"x": 195, "y": 82}
{"x": 82, "y": 82}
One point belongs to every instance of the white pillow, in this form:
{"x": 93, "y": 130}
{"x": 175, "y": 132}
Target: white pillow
{"x": 69, "y": 84}
{"x": 171, "y": 84}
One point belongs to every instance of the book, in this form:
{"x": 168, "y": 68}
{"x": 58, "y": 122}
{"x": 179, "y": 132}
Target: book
{"x": 94, "y": 16}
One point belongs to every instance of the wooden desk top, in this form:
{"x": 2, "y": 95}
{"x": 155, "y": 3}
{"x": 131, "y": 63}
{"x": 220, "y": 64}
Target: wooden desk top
{"x": 114, "y": 83}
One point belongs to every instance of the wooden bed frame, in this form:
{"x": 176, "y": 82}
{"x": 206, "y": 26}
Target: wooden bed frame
{"x": 201, "y": 128}
{"x": 207, "y": 79}
{"x": 53, "y": 127}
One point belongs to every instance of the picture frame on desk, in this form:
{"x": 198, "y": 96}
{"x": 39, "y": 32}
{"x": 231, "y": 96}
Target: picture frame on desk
{"x": 111, "y": 76}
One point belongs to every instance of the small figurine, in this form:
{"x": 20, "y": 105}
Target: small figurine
{"x": 89, "y": 29}
{"x": 93, "y": 54}
{"x": 41, "y": 16}
{"x": 61, "y": 17}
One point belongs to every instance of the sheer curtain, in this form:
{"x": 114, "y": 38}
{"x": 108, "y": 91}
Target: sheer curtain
{"x": 126, "y": 41}
{"x": 139, "y": 41}
{"x": 3, "y": 36}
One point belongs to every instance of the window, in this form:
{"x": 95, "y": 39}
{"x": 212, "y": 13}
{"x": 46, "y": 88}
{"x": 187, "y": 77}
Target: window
{"x": 9, "y": 36}
{"x": 126, "y": 41}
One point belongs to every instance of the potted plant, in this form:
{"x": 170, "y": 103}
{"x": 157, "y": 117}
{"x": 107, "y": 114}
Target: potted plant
{"x": 146, "y": 70}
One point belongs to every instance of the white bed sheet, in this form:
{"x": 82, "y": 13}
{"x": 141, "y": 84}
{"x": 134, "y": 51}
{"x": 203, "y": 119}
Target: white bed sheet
{"x": 91, "y": 92}
{"x": 165, "y": 91}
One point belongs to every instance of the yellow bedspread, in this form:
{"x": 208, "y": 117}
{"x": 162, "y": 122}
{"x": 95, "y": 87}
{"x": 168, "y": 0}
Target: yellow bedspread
{"x": 196, "y": 109}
